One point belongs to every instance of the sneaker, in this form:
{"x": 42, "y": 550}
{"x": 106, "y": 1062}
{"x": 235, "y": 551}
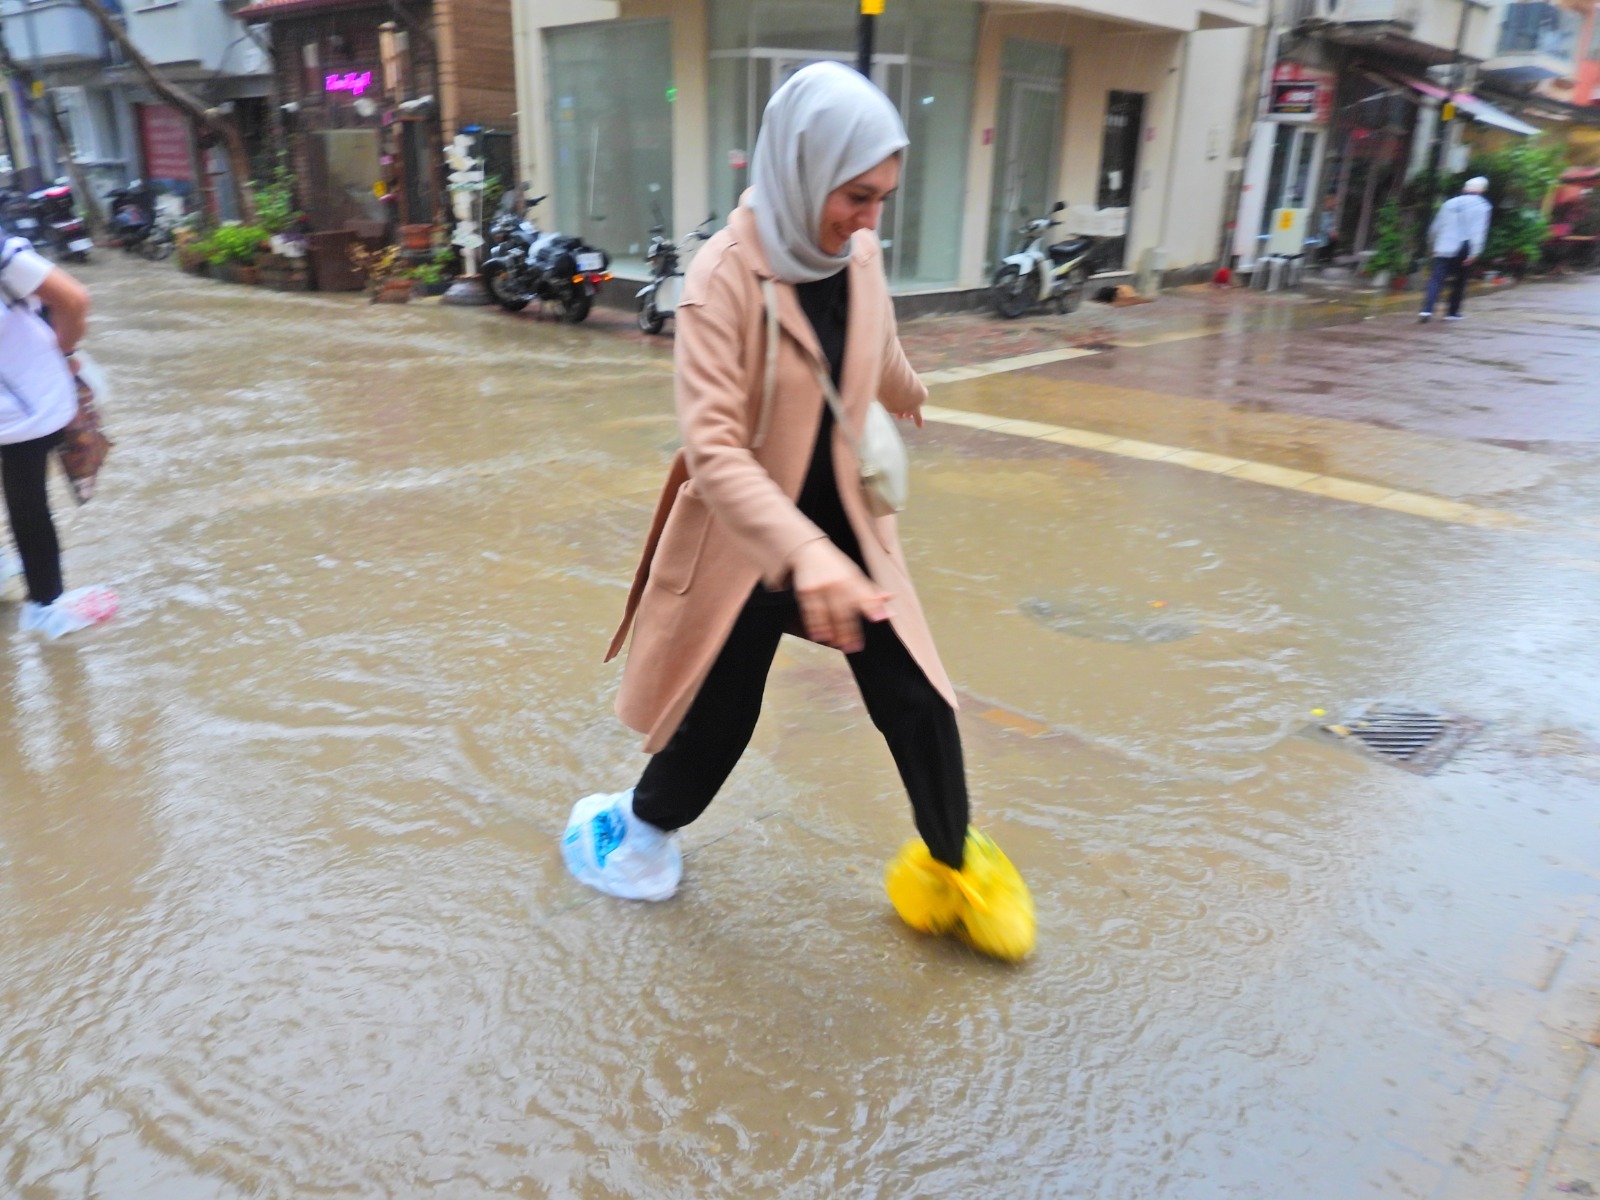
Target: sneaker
{"x": 985, "y": 904}
{"x": 1424, "y": 317}
{"x": 70, "y": 612}
{"x": 614, "y": 852}
{"x": 1455, "y": 317}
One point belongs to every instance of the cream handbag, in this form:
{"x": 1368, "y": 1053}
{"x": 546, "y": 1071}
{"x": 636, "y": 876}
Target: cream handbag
{"x": 880, "y": 451}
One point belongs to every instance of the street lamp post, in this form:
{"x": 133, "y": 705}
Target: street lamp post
{"x": 871, "y": 10}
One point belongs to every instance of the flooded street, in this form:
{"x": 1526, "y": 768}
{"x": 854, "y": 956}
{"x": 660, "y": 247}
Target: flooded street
{"x": 282, "y": 912}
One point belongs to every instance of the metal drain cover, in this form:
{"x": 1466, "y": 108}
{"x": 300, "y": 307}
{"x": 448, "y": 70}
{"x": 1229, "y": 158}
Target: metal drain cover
{"x": 1413, "y": 738}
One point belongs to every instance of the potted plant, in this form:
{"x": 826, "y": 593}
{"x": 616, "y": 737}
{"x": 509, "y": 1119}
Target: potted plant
{"x": 1390, "y": 258}
{"x": 233, "y": 248}
{"x": 387, "y": 281}
{"x": 433, "y": 277}
{"x": 416, "y": 237}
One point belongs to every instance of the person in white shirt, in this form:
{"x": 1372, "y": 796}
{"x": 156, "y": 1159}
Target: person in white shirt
{"x": 1457, "y": 235}
{"x": 38, "y": 399}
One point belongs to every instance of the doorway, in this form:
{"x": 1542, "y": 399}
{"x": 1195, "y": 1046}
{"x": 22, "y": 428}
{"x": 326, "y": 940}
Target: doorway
{"x": 1119, "y": 164}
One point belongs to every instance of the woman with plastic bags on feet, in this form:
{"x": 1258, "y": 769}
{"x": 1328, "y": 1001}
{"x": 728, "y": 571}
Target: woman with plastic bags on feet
{"x": 763, "y": 526}
{"x": 38, "y": 400}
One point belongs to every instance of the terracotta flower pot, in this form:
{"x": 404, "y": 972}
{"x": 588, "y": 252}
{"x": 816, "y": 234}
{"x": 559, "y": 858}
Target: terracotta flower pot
{"x": 416, "y": 237}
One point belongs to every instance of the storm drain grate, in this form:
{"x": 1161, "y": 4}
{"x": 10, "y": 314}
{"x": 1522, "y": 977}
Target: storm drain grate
{"x": 1412, "y": 738}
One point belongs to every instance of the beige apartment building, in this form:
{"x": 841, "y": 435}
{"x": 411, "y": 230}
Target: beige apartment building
{"x": 1126, "y": 110}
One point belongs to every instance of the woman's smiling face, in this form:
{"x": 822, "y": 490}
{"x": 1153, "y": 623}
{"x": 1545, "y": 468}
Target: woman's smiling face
{"x": 857, "y": 204}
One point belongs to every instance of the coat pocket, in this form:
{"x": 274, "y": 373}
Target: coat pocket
{"x": 683, "y": 541}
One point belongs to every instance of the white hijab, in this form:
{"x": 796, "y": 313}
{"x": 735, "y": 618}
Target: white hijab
{"x": 821, "y": 129}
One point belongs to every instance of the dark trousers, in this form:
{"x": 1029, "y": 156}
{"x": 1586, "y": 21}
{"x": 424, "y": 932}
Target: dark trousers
{"x": 23, "y": 468}
{"x": 1454, "y": 268}
{"x": 916, "y": 721}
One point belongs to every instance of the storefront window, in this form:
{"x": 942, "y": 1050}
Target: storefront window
{"x": 612, "y": 129}
{"x": 923, "y": 58}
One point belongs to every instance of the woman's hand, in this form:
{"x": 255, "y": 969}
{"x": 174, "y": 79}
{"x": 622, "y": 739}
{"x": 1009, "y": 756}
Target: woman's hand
{"x": 834, "y": 595}
{"x": 914, "y": 415}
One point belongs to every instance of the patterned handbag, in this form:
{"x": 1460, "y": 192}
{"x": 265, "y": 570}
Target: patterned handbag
{"x": 84, "y": 444}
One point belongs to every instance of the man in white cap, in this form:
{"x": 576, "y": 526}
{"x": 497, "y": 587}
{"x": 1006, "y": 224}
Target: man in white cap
{"x": 1457, "y": 235}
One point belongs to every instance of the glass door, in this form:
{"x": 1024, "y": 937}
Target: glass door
{"x": 1026, "y": 160}
{"x": 1119, "y": 160}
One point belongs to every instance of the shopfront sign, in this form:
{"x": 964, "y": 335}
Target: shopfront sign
{"x": 354, "y": 82}
{"x": 164, "y": 140}
{"x": 1301, "y": 94}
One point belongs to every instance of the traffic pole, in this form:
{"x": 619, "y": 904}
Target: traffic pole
{"x": 871, "y": 10}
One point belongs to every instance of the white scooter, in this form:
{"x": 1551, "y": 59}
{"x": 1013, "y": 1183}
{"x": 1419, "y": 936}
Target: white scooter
{"x": 1037, "y": 273}
{"x": 658, "y": 299}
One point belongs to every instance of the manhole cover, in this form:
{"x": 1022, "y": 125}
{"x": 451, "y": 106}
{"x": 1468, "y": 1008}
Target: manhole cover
{"x": 1413, "y": 738}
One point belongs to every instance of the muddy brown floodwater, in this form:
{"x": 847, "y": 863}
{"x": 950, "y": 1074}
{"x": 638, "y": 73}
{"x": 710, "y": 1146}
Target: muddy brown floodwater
{"x": 282, "y": 913}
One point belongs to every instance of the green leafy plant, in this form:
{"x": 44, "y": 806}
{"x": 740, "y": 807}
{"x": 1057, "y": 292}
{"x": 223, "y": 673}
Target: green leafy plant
{"x": 275, "y": 210}
{"x": 428, "y": 273}
{"x": 1520, "y": 177}
{"x": 234, "y": 244}
{"x": 1390, "y": 251}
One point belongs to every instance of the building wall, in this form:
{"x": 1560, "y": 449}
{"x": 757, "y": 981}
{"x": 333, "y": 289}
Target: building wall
{"x": 198, "y": 32}
{"x": 1190, "y": 109}
{"x": 477, "y": 64}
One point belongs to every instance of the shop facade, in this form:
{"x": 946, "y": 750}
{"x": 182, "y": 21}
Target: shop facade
{"x": 1129, "y": 119}
{"x": 368, "y": 95}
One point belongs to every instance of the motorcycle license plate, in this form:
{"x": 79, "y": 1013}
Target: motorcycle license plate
{"x": 27, "y": 223}
{"x": 591, "y": 262}
{"x": 79, "y": 245}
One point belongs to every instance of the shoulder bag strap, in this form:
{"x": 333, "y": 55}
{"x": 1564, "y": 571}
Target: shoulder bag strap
{"x": 824, "y": 380}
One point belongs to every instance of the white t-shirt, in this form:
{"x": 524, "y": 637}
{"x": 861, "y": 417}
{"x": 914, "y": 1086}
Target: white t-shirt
{"x": 37, "y": 395}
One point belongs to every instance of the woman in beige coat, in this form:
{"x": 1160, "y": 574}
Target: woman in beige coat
{"x": 763, "y": 527}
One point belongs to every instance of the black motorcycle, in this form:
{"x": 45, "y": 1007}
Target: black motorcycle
{"x": 524, "y": 265}
{"x": 59, "y": 222}
{"x": 19, "y": 215}
{"x": 133, "y": 215}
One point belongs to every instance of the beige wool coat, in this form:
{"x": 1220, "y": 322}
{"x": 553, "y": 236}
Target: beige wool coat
{"x": 727, "y": 516}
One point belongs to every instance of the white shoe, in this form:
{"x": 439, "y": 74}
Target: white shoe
{"x": 1424, "y": 317}
{"x": 1455, "y": 317}
{"x": 70, "y": 612}
{"x": 614, "y": 852}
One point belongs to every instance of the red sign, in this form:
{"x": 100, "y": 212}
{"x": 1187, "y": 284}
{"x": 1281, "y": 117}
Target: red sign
{"x": 164, "y": 138}
{"x": 1301, "y": 93}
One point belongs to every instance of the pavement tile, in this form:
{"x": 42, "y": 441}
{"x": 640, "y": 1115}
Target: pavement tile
{"x": 1080, "y": 437}
{"x": 1504, "y": 1009}
{"x": 1399, "y": 1173}
{"x": 1482, "y": 1183}
{"x": 1435, "y": 1119}
{"x": 1574, "y": 1005}
{"x": 1425, "y": 506}
{"x": 1564, "y": 920}
{"x": 1515, "y": 1131}
{"x": 1285, "y": 477}
{"x": 1549, "y": 1061}
{"x": 953, "y": 416}
{"x": 1134, "y": 448}
{"x": 1020, "y": 428}
{"x": 1574, "y": 1163}
{"x": 1584, "y": 1118}
{"x": 1345, "y": 489}
{"x": 1200, "y": 460}
{"x": 1534, "y": 963}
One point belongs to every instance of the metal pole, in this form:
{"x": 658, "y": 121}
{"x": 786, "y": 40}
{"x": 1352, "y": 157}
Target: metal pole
{"x": 1447, "y": 112}
{"x": 871, "y": 10}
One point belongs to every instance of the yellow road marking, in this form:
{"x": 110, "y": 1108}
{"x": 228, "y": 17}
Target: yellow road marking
{"x": 1331, "y": 487}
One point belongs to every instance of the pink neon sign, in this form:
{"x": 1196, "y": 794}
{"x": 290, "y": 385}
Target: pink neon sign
{"x": 354, "y": 82}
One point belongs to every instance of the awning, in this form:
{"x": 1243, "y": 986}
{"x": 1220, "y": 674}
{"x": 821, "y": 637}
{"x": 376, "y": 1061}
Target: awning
{"x": 1476, "y": 108}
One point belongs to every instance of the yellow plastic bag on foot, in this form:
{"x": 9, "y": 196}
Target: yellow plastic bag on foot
{"x": 922, "y": 889}
{"x": 996, "y": 917}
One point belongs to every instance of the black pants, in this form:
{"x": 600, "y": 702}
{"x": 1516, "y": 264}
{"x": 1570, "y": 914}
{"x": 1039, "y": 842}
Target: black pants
{"x": 916, "y": 721}
{"x": 1454, "y": 268}
{"x": 23, "y": 473}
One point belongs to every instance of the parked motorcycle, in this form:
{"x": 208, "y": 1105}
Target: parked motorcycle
{"x": 553, "y": 268}
{"x": 133, "y": 214}
{"x": 1037, "y": 273}
{"x": 60, "y": 224}
{"x": 658, "y": 299}
{"x": 19, "y": 214}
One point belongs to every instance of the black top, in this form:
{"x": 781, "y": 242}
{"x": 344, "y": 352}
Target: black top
{"x": 826, "y": 304}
